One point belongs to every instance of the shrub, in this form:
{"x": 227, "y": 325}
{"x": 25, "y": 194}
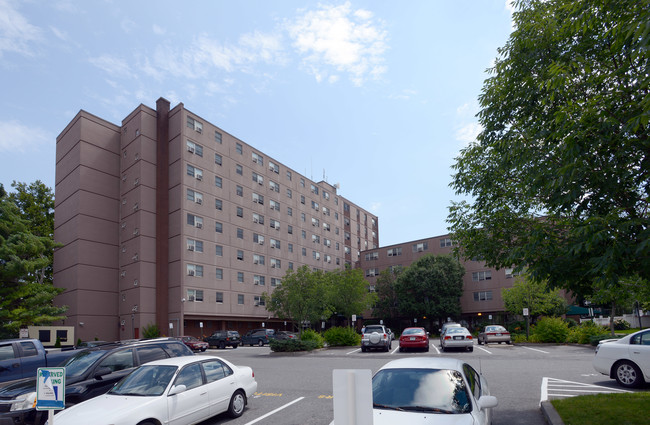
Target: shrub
{"x": 621, "y": 325}
{"x": 582, "y": 334}
{"x": 150, "y": 331}
{"x": 311, "y": 335}
{"x": 571, "y": 323}
{"x": 57, "y": 344}
{"x": 517, "y": 338}
{"x": 341, "y": 336}
{"x": 292, "y": 345}
{"x": 551, "y": 329}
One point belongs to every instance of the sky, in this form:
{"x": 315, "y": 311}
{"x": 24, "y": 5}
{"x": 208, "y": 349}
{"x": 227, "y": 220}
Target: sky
{"x": 379, "y": 96}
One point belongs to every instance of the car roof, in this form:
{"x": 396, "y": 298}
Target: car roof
{"x": 182, "y": 361}
{"x": 425, "y": 363}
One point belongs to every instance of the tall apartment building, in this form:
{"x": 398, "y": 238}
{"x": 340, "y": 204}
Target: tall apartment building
{"x": 167, "y": 219}
{"x": 481, "y": 285}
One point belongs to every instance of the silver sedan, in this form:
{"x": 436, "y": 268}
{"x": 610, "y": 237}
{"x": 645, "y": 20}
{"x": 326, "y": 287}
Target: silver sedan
{"x": 494, "y": 333}
{"x": 457, "y": 337}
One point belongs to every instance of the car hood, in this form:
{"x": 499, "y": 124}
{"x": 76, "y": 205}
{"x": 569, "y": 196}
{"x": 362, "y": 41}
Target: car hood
{"x": 391, "y": 417}
{"x": 16, "y": 388}
{"x": 114, "y": 409}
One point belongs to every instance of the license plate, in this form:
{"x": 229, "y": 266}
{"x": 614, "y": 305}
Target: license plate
{"x": 458, "y": 337}
{"x": 412, "y": 338}
{"x": 498, "y": 334}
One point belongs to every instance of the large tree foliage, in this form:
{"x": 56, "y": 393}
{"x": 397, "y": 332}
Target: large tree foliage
{"x": 559, "y": 176}
{"x": 431, "y": 286}
{"x": 534, "y": 295}
{"x": 26, "y": 290}
{"x": 386, "y": 305}
{"x": 348, "y": 292}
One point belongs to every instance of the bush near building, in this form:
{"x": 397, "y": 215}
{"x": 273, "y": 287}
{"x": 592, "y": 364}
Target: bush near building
{"x": 342, "y": 337}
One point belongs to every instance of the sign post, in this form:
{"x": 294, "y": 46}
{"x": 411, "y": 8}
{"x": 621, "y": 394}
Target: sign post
{"x": 50, "y": 390}
{"x": 527, "y": 322}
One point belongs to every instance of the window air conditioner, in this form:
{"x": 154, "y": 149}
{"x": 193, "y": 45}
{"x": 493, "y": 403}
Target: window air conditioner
{"x": 190, "y": 273}
{"x": 199, "y": 225}
{"x": 190, "y": 149}
{"x": 199, "y": 201}
{"x": 256, "y": 262}
{"x": 190, "y": 247}
{"x": 199, "y": 177}
{"x": 257, "y": 303}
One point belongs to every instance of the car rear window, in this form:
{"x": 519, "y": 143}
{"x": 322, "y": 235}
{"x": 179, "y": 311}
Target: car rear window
{"x": 371, "y": 329}
{"x": 177, "y": 349}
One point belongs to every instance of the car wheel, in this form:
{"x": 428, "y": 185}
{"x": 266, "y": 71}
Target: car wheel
{"x": 427, "y": 349}
{"x": 363, "y": 349}
{"x": 401, "y": 350}
{"x": 147, "y": 423}
{"x": 260, "y": 343}
{"x": 470, "y": 349}
{"x": 222, "y": 345}
{"x": 203, "y": 349}
{"x": 628, "y": 374}
{"x": 237, "y": 404}
{"x": 479, "y": 341}
{"x": 508, "y": 342}
{"x": 234, "y": 346}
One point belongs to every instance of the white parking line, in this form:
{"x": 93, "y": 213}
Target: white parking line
{"x": 395, "y": 350}
{"x": 481, "y": 348}
{"x": 552, "y": 387}
{"x": 354, "y": 351}
{"x": 534, "y": 349}
{"x": 274, "y": 411}
{"x": 435, "y": 348}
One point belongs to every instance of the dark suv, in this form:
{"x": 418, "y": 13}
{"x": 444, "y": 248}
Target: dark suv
{"x": 222, "y": 339}
{"x": 89, "y": 373}
{"x": 258, "y": 337}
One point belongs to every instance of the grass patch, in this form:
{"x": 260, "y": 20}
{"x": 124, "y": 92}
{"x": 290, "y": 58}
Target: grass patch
{"x": 604, "y": 409}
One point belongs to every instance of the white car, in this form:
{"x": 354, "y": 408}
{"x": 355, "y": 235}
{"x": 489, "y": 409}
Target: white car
{"x": 426, "y": 390}
{"x": 627, "y": 359}
{"x": 457, "y": 337}
{"x": 175, "y": 391}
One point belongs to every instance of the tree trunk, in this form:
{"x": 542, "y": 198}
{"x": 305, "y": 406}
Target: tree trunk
{"x": 611, "y": 318}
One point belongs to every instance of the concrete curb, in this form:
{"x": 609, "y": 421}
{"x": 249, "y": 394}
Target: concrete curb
{"x": 550, "y": 414}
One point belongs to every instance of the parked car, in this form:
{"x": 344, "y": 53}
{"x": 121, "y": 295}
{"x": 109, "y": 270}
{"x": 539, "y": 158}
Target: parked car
{"x": 89, "y": 373}
{"x": 286, "y": 335}
{"x": 20, "y": 358}
{"x": 258, "y": 337}
{"x": 414, "y": 338}
{"x": 627, "y": 359}
{"x": 376, "y": 336}
{"x": 194, "y": 343}
{"x": 86, "y": 344}
{"x": 223, "y": 339}
{"x": 183, "y": 390}
{"x": 494, "y": 333}
{"x": 457, "y": 337}
{"x": 430, "y": 390}
{"x": 445, "y": 326}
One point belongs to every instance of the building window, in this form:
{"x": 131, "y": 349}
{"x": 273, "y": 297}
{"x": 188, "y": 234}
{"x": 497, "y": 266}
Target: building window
{"x": 218, "y": 204}
{"x": 217, "y": 137}
{"x": 238, "y": 148}
{"x": 274, "y": 224}
{"x": 218, "y": 250}
{"x": 304, "y": 252}
{"x": 259, "y": 300}
{"x": 240, "y": 191}
{"x": 195, "y": 172}
{"x": 258, "y": 199}
{"x": 326, "y": 195}
{"x": 327, "y": 242}
{"x": 258, "y": 159}
{"x": 275, "y": 281}
{"x": 394, "y": 252}
{"x": 289, "y": 193}
{"x": 239, "y": 169}
{"x": 240, "y": 299}
{"x": 445, "y": 242}
{"x": 419, "y": 247}
{"x": 240, "y": 277}
{"x": 194, "y": 148}
{"x": 219, "y": 274}
{"x": 302, "y": 182}
{"x": 289, "y": 247}
{"x": 194, "y": 196}
{"x": 218, "y": 159}
{"x": 274, "y": 167}
{"x": 194, "y": 270}
{"x": 194, "y": 245}
{"x": 274, "y": 205}
{"x": 483, "y": 296}
{"x": 194, "y": 220}
{"x": 258, "y": 218}
{"x": 274, "y": 243}
{"x": 478, "y": 276}
{"x": 510, "y": 272}
{"x": 290, "y": 265}
{"x": 258, "y": 259}
{"x": 240, "y": 212}
{"x": 258, "y": 239}
{"x": 372, "y": 256}
{"x": 259, "y": 280}
{"x": 195, "y": 295}
{"x": 257, "y": 178}
{"x": 326, "y": 227}
{"x": 290, "y": 230}
{"x": 314, "y": 189}
{"x": 194, "y": 124}
{"x": 240, "y": 233}
{"x": 218, "y": 181}
{"x": 315, "y": 222}
{"x": 315, "y": 255}
{"x": 315, "y": 238}
{"x": 314, "y": 205}
{"x": 302, "y": 199}
{"x": 240, "y": 255}
{"x": 328, "y": 258}
{"x": 274, "y": 186}
{"x": 372, "y": 272}
{"x": 303, "y": 233}
{"x": 218, "y": 227}
{"x": 288, "y": 175}
{"x": 275, "y": 263}
{"x": 219, "y": 298}
{"x": 289, "y": 211}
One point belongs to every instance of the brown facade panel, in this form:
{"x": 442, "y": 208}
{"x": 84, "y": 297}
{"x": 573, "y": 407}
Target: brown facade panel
{"x": 88, "y": 227}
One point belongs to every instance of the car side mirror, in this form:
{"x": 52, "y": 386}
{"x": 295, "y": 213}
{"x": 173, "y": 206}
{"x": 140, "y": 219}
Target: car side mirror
{"x": 177, "y": 389}
{"x": 487, "y": 401}
{"x": 102, "y": 371}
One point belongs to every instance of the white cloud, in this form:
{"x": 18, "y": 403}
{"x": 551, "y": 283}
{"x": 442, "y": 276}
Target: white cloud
{"x": 158, "y": 30}
{"x": 337, "y": 39}
{"x": 62, "y": 35}
{"x": 115, "y": 67}
{"x": 127, "y": 25}
{"x": 16, "y": 137}
{"x": 16, "y": 34}
{"x": 468, "y": 133}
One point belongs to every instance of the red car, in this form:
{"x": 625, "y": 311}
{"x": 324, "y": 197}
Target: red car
{"x": 194, "y": 343}
{"x": 414, "y": 338}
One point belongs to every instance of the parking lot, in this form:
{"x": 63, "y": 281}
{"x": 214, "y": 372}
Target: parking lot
{"x": 297, "y": 388}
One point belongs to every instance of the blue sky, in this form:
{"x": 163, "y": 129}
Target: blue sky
{"x": 377, "y": 95}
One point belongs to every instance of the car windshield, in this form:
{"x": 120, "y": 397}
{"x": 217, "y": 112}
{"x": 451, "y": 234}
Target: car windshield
{"x": 456, "y": 330}
{"x": 412, "y": 332}
{"x": 145, "y": 381}
{"x": 78, "y": 364}
{"x": 421, "y": 390}
{"x": 496, "y": 329}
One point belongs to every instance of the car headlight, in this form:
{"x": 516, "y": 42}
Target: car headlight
{"x": 24, "y": 402}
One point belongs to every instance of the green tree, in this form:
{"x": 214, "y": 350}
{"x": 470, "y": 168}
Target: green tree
{"x": 431, "y": 286}
{"x": 348, "y": 292}
{"x": 303, "y": 296}
{"x": 386, "y": 305}
{"x": 26, "y": 292}
{"x": 559, "y": 176}
{"x": 534, "y": 295}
